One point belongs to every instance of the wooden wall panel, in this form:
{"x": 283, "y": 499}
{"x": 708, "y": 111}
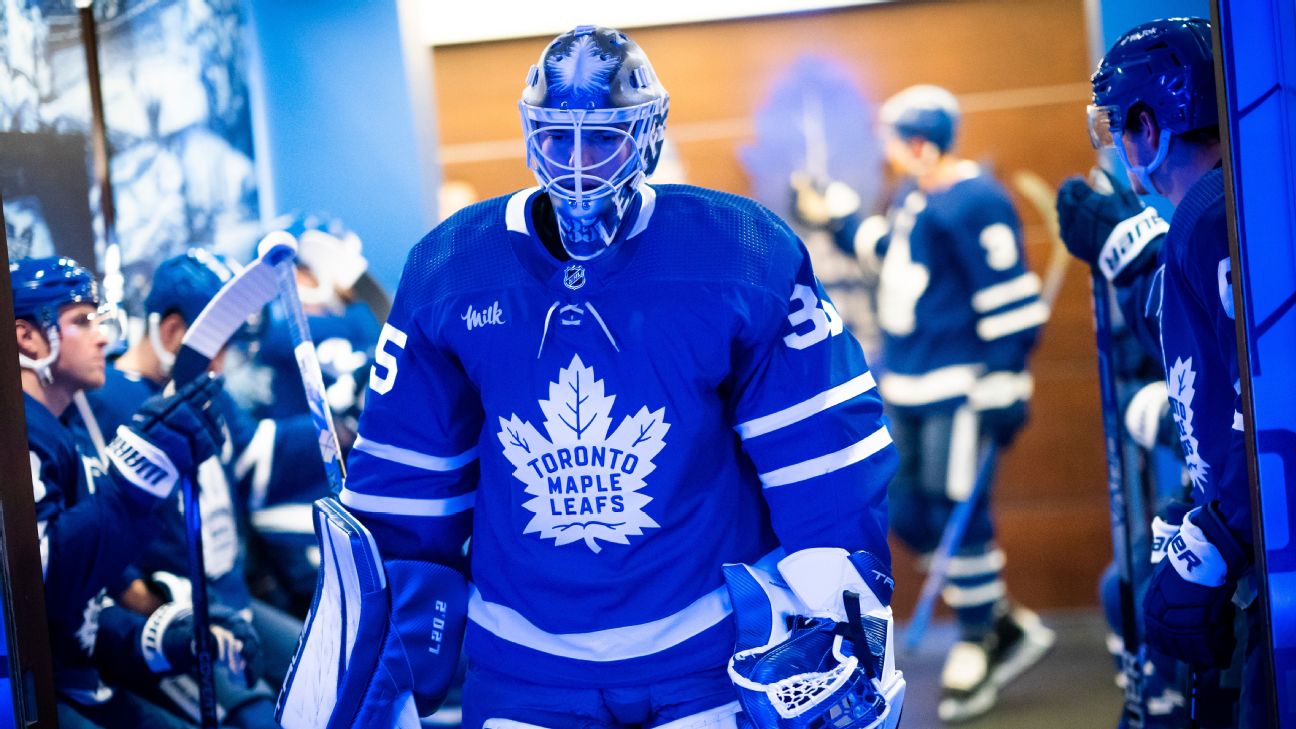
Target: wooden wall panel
{"x": 1020, "y": 70}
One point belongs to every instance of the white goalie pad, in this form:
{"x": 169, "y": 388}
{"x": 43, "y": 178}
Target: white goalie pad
{"x": 333, "y": 673}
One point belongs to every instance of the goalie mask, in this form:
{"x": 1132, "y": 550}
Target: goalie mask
{"x": 593, "y": 116}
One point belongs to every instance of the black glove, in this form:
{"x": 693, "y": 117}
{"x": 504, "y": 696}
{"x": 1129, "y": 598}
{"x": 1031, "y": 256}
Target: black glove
{"x": 1001, "y": 400}
{"x": 824, "y": 207}
{"x": 1188, "y": 610}
{"x": 167, "y": 438}
{"x": 1111, "y": 231}
{"x": 167, "y": 641}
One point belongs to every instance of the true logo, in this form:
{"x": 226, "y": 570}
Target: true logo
{"x": 574, "y": 277}
{"x": 584, "y": 478}
{"x": 493, "y": 314}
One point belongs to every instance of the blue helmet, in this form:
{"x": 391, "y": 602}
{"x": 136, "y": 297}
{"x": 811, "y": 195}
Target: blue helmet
{"x": 1166, "y": 66}
{"x": 43, "y": 286}
{"x": 925, "y": 112}
{"x": 185, "y": 283}
{"x": 594, "y": 118}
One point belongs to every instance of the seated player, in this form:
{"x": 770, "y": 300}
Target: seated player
{"x": 96, "y": 518}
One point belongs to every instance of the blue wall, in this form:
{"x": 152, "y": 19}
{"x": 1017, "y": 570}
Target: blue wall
{"x": 1119, "y": 16}
{"x": 337, "y": 127}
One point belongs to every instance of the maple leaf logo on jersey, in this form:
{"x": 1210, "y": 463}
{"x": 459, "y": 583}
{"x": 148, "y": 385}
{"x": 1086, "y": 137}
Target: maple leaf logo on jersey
{"x": 585, "y": 478}
{"x": 1181, "y": 381}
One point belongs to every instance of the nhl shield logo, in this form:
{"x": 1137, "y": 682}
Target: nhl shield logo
{"x": 574, "y": 277}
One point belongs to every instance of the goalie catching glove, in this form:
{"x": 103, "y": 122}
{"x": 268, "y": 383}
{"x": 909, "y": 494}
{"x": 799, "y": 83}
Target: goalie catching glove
{"x": 814, "y": 642}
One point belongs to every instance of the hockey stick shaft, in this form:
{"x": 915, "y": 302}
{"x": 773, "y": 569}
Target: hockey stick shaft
{"x": 951, "y": 538}
{"x": 210, "y": 331}
{"x": 307, "y": 359}
{"x": 1131, "y": 663}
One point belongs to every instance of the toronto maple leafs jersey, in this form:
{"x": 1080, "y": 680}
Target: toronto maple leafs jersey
{"x": 1188, "y": 302}
{"x": 82, "y": 517}
{"x": 955, "y": 298}
{"x": 610, "y": 432}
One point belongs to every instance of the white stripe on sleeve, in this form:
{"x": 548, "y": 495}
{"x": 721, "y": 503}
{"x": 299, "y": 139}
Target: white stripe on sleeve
{"x": 825, "y": 464}
{"x": 415, "y": 459}
{"x": 1006, "y": 292}
{"x": 408, "y": 507}
{"x": 994, "y": 327}
{"x": 802, "y": 410}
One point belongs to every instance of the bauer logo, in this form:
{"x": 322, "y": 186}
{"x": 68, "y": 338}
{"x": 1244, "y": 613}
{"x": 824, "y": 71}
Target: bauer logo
{"x": 492, "y": 315}
{"x": 574, "y": 277}
{"x": 584, "y": 477}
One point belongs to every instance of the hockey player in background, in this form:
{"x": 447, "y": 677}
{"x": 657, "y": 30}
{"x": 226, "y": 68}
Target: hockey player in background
{"x": 84, "y": 507}
{"x": 179, "y": 289}
{"x": 959, "y": 313}
{"x": 1154, "y": 103}
{"x": 617, "y": 389}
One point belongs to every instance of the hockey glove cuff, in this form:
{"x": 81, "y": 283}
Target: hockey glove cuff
{"x": 167, "y": 641}
{"x": 1205, "y": 552}
{"x": 167, "y": 438}
{"x": 1164, "y": 528}
{"x": 819, "y": 576}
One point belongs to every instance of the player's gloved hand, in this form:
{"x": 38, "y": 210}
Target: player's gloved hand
{"x": 1188, "y": 610}
{"x": 1111, "y": 230}
{"x": 167, "y": 438}
{"x": 1002, "y": 400}
{"x": 167, "y": 641}
{"x": 822, "y": 208}
{"x": 814, "y": 638}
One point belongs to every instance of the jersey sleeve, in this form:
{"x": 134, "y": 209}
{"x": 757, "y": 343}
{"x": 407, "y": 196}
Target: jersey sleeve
{"x": 810, "y": 419}
{"x": 413, "y": 470}
{"x": 986, "y": 241}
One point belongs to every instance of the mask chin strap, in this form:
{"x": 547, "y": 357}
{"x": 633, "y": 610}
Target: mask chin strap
{"x": 165, "y": 359}
{"x": 42, "y": 366}
{"x": 1144, "y": 172}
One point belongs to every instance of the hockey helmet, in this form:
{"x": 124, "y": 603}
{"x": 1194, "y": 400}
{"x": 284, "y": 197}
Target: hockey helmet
{"x": 42, "y": 286}
{"x": 1166, "y": 66}
{"x": 594, "y": 118}
{"x": 925, "y": 112}
{"x": 331, "y": 252}
{"x": 185, "y": 283}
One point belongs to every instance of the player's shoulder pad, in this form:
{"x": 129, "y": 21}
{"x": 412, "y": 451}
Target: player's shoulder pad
{"x": 468, "y": 250}
{"x": 706, "y": 234}
{"x": 979, "y": 192}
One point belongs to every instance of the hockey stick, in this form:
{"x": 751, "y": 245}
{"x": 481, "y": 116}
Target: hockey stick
{"x": 237, "y": 300}
{"x": 1131, "y": 663}
{"x": 1038, "y": 193}
{"x": 951, "y": 538}
{"x": 278, "y": 249}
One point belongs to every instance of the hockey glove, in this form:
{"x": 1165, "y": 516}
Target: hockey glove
{"x": 1113, "y": 232}
{"x": 1001, "y": 399}
{"x": 1188, "y": 610}
{"x": 816, "y": 650}
{"x": 822, "y": 208}
{"x": 167, "y": 641}
{"x": 1165, "y": 526}
{"x": 167, "y": 438}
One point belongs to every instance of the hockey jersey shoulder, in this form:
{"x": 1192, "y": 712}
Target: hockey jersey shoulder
{"x": 467, "y": 251}
{"x": 724, "y": 238}
{"x": 977, "y": 195}
{"x": 1199, "y": 229}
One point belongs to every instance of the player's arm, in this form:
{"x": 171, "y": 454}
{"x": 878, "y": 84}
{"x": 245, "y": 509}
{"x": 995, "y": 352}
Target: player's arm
{"x": 810, "y": 419}
{"x": 412, "y": 481}
{"x": 82, "y": 551}
{"x": 835, "y": 208}
{"x": 986, "y": 242}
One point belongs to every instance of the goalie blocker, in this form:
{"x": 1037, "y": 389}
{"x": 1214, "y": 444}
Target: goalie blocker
{"x": 354, "y": 665}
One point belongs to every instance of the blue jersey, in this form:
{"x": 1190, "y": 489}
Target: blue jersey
{"x": 112, "y": 405}
{"x": 1188, "y": 304}
{"x": 955, "y": 297}
{"x": 81, "y": 518}
{"x": 610, "y": 432}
